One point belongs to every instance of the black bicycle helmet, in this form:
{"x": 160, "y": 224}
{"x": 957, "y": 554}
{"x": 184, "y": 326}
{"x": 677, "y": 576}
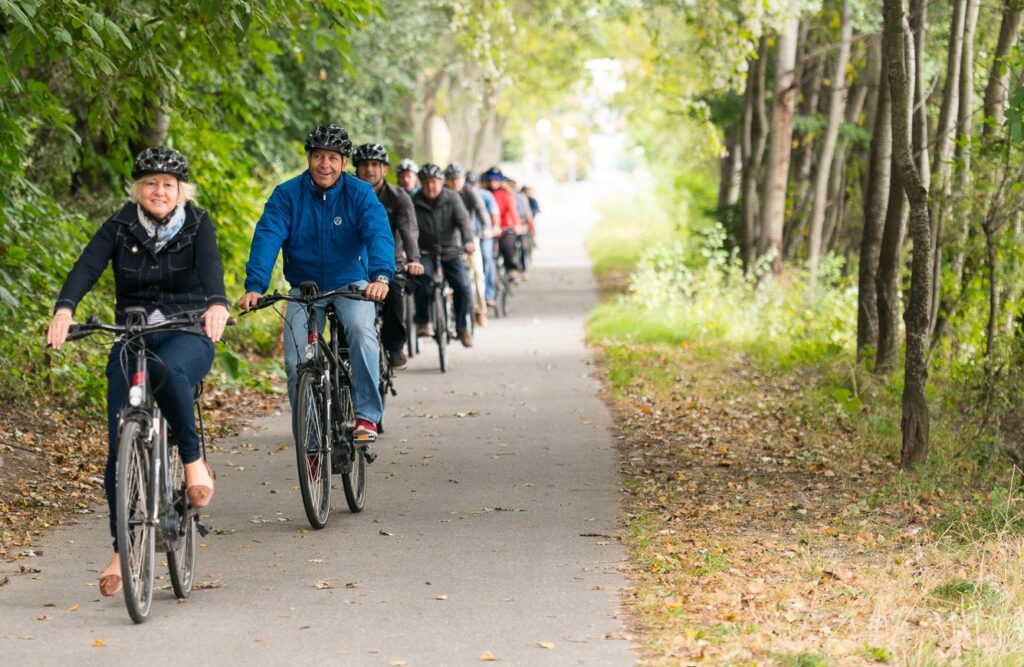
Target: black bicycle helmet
{"x": 329, "y": 138}
{"x": 430, "y": 170}
{"x": 160, "y": 160}
{"x": 370, "y": 152}
{"x": 493, "y": 174}
{"x": 454, "y": 170}
{"x": 407, "y": 164}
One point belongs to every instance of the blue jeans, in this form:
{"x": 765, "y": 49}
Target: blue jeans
{"x": 487, "y": 254}
{"x": 455, "y": 274}
{"x": 184, "y": 360}
{"x": 357, "y": 319}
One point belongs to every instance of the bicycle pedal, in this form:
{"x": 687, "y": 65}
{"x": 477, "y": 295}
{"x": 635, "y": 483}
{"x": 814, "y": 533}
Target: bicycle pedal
{"x": 370, "y": 456}
{"x": 204, "y": 527}
{"x": 394, "y": 392}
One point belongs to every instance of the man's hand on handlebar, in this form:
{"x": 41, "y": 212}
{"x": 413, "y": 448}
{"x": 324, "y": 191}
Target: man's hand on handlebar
{"x": 249, "y": 300}
{"x": 376, "y": 291}
{"x": 414, "y": 269}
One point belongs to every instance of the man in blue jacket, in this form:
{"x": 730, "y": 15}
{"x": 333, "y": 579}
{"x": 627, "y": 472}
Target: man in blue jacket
{"x": 333, "y": 231}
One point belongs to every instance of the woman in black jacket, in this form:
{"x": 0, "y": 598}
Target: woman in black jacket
{"x": 165, "y": 259}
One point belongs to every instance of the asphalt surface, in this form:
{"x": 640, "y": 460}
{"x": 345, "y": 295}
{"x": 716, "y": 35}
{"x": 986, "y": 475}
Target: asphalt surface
{"x": 488, "y": 530}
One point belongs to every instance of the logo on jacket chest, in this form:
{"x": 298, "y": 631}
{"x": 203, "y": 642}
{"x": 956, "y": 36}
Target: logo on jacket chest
{"x": 337, "y": 221}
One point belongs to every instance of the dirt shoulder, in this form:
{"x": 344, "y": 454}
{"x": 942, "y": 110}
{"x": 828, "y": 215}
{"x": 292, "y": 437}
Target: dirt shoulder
{"x": 758, "y": 538}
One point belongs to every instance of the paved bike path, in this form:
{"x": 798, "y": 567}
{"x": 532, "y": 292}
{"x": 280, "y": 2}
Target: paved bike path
{"x": 488, "y": 528}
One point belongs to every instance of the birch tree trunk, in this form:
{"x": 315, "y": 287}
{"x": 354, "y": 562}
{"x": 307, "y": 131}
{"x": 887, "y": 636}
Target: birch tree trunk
{"x": 941, "y": 205}
{"x": 836, "y": 106}
{"x": 915, "y": 422}
{"x": 780, "y": 148}
{"x": 876, "y": 194}
{"x": 997, "y": 92}
{"x": 755, "y": 123}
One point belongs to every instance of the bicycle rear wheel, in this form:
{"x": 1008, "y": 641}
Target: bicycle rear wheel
{"x": 353, "y": 476}
{"x": 136, "y": 540}
{"x": 441, "y": 328}
{"x": 181, "y": 560}
{"x": 311, "y": 449}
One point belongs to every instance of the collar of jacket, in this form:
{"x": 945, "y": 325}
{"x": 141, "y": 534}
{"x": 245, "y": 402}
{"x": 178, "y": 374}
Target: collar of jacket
{"x": 338, "y": 186}
{"x": 129, "y": 217}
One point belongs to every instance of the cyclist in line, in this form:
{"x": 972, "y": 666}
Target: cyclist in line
{"x": 445, "y": 232}
{"x": 333, "y": 231}
{"x": 371, "y": 161}
{"x": 509, "y": 221}
{"x": 489, "y": 239}
{"x": 407, "y": 170}
{"x": 525, "y": 230}
{"x": 165, "y": 259}
{"x": 455, "y": 179}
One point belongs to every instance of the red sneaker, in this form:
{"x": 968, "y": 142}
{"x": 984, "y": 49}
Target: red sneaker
{"x": 365, "y": 430}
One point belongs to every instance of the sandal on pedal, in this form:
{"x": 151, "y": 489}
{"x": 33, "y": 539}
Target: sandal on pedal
{"x": 200, "y": 495}
{"x": 110, "y": 584}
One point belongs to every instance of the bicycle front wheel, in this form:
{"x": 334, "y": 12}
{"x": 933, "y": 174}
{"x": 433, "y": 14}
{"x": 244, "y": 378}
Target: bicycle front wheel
{"x": 441, "y": 329}
{"x": 311, "y": 450}
{"x": 136, "y": 539}
{"x": 181, "y": 560}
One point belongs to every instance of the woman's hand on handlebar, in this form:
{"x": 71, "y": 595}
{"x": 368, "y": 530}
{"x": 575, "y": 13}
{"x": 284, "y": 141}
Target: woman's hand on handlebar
{"x": 214, "y": 320}
{"x": 59, "y": 326}
{"x": 249, "y": 300}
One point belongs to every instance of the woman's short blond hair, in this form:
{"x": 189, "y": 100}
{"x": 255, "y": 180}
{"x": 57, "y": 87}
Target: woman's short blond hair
{"x": 186, "y": 191}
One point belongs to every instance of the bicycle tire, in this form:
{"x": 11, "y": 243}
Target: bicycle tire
{"x": 441, "y": 329}
{"x": 182, "y": 560}
{"x": 311, "y": 449}
{"x": 411, "y": 343}
{"x": 136, "y": 540}
{"x": 353, "y": 477}
{"x": 506, "y": 289}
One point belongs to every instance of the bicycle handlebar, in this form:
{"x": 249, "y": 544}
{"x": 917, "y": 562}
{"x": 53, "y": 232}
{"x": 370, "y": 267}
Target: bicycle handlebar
{"x": 190, "y": 322}
{"x": 268, "y": 300}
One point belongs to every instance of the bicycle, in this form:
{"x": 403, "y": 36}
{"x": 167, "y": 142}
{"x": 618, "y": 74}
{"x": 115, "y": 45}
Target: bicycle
{"x": 152, "y": 504}
{"x": 502, "y": 286}
{"x": 440, "y": 313}
{"x": 324, "y": 413}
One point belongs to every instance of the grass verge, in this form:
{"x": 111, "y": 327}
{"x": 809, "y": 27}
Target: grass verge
{"x": 767, "y": 522}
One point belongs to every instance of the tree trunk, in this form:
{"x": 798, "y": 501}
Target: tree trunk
{"x": 918, "y": 27}
{"x": 810, "y": 76}
{"x": 835, "y": 214}
{"x": 915, "y": 420}
{"x": 876, "y": 194}
{"x": 997, "y": 92}
{"x": 963, "y": 135}
{"x": 887, "y": 281}
{"x": 729, "y": 173}
{"x": 836, "y": 106}
{"x": 944, "y": 148}
{"x": 993, "y": 288}
{"x": 755, "y": 122}
{"x": 780, "y": 150}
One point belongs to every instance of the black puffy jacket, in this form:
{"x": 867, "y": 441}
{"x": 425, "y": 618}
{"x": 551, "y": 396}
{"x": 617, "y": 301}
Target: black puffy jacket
{"x": 185, "y": 275}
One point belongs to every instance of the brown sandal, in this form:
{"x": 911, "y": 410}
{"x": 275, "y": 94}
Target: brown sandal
{"x": 200, "y": 495}
{"x": 110, "y": 584}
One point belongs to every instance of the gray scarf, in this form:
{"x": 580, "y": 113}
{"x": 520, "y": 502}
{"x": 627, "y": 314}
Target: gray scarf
{"x": 163, "y": 232}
